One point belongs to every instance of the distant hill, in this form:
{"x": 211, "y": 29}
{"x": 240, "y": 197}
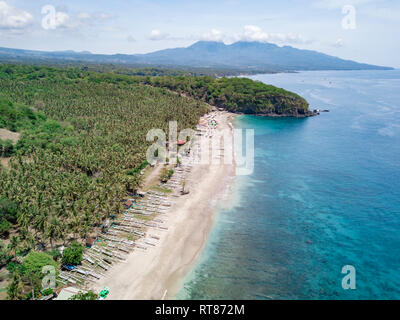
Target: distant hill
{"x": 245, "y": 56}
{"x": 252, "y": 55}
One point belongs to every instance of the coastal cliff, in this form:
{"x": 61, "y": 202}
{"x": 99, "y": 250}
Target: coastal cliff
{"x": 237, "y": 95}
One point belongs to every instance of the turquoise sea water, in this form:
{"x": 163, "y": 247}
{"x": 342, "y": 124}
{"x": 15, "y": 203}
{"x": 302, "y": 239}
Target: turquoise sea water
{"x": 325, "y": 193}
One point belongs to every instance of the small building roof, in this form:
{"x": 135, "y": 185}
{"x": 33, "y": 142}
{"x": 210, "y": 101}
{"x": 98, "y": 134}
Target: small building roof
{"x": 67, "y": 293}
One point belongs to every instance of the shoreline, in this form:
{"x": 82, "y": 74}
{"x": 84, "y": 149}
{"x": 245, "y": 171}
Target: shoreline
{"x": 159, "y": 273}
{"x": 308, "y": 114}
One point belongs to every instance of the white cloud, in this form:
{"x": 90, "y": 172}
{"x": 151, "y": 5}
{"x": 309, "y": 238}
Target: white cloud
{"x": 214, "y": 35}
{"x": 156, "y": 35}
{"x": 61, "y": 19}
{"x": 255, "y": 33}
{"x": 57, "y": 18}
{"x": 385, "y": 13}
{"x": 84, "y": 16}
{"x": 338, "y": 43}
{"x": 13, "y": 18}
{"x": 103, "y": 16}
{"x": 130, "y": 38}
{"x": 90, "y": 20}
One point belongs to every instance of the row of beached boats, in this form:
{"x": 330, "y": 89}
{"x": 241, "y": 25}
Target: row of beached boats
{"x": 137, "y": 228}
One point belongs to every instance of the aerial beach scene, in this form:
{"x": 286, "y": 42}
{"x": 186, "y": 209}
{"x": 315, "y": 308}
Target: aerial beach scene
{"x": 161, "y": 151}
{"x": 158, "y": 272}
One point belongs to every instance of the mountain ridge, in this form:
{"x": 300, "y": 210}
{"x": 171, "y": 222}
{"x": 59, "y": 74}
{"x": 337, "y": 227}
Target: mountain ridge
{"x": 243, "y": 55}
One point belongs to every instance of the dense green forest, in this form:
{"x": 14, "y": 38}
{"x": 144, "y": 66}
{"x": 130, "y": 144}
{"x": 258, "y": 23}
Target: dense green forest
{"x": 83, "y": 136}
{"x": 163, "y": 71}
{"x": 131, "y": 69}
{"x": 236, "y": 94}
{"x": 239, "y": 95}
{"x": 82, "y": 144}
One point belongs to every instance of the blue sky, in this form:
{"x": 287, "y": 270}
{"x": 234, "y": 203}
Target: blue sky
{"x": 139, "y": 26}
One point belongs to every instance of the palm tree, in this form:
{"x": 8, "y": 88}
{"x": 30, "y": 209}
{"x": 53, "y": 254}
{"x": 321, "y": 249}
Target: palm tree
{"x": 13, "y": 245}
{"x": 53, "y": 231}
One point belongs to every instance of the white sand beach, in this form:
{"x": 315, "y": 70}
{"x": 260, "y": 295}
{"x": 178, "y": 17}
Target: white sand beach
{"x": 159, "y": 271}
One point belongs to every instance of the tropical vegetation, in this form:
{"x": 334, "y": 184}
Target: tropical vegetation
{"x": 85, "y": 296}
{"x": 82, "y": 148}
{"x": 27, "y": 276}
{"x": 235, "y": 94}
{"x": 72, "y": 255}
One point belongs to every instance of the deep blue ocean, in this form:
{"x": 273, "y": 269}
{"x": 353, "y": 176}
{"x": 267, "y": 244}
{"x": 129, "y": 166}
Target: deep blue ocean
{"x": 325, "y": 193}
